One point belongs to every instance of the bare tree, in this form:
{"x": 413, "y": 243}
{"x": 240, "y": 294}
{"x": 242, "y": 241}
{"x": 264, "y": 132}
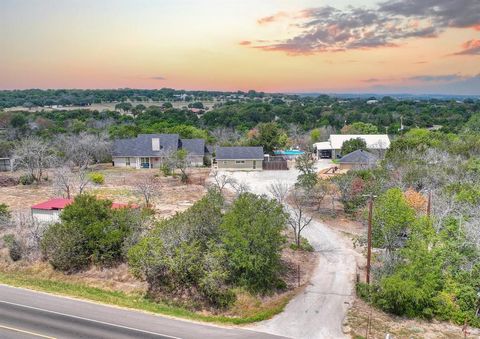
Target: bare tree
{"x": 28, "y": 232}
{"x": 68, "y": 183}
{"x": 221, "y": 180}
{"x": 148, "y": 188}
{"x": 84, "y": 149}
{"x": 279, "y": 190}
{"x": 239, "y": 187}
{"x": 298, "y": 217}
{"x": 226, "y": 136}
{"x": 182, "y": 162}
{"x": 319, "y": 192}
{"x": 34, "y": 155}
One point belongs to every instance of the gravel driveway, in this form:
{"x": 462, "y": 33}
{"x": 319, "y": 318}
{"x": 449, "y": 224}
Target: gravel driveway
{"x": 319, "y": 311}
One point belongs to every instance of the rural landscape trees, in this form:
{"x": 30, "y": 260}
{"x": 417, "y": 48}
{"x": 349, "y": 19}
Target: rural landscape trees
{"x": 425, "y": 192}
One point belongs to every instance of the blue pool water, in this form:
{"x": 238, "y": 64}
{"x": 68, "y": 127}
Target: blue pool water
{"x": 289, "y": 152}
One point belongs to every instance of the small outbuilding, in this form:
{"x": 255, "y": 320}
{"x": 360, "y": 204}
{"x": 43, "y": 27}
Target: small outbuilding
{"x": 239, "y": 158}
{"x": 49, "y": 211}
{"x": 358, "y": 159}
{"x": 6, "y": 164}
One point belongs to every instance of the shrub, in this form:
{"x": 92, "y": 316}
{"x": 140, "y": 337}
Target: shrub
{"x": 6, "y": 181}
{"x": 14, "y": 248}
{"x": 97, "y": 178}
{"x": 4, "y": 211}
{"x": 26, "y": 179}
{"x": 304, "y": 246}
{"x": 166, "y": 170}
{"x": 65, "y": 247}
{"x": 89, "y": 232}
{"x": 251, "y": 236}
{"x": 182, "y": 256}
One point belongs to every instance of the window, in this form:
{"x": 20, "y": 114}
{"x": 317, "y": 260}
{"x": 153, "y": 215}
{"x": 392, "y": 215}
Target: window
{"x": 127, "y": 161}
{"x": 239, "y": 161}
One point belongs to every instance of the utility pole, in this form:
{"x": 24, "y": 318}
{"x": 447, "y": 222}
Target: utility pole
{"x": 369, "y": 249}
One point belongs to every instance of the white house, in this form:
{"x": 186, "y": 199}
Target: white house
{"x": 332, "y": 147}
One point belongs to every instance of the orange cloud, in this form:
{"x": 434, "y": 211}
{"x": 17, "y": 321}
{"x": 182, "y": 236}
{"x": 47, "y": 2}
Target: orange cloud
{"x": 272, "y": 18}
{"x": 470, "y": 47}
{"x": 245, "y": 43}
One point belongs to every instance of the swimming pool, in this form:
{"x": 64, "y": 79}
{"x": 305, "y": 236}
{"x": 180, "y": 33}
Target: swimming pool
{"x": 289, "y": 152}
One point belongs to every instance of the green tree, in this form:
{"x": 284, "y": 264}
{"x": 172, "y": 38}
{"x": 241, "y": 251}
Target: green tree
{"x": 270, "y": 136}
{"x": 352, "y": 145}
{"x": 315, "y": 135}
{"x": 252, "y": 238}
{"x": 90, "y": 231}
{"x": 392, "y": 218}
{"x": 308, "y": 176}
{"x": 473, "y": 124}
{"x": 360, "y": 128}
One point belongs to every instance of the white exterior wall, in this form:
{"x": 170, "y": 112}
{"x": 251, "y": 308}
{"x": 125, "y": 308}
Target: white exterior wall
{"x": 46, "y": 216}
{"x": 122, "y": 162}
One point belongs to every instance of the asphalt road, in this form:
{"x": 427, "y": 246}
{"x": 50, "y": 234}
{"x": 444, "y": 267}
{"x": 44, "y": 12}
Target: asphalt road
{"x": 30, "y": 314}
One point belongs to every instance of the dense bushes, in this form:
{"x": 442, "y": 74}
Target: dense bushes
{"x": 201, "y": 254}
{"x": 251, "y": 236}
{"x": 90, "y": 232}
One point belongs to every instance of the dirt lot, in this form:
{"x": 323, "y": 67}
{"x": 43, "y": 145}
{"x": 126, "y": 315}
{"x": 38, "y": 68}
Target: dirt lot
{"x": 118, "y": 187}
{"x": 174, "y": 197}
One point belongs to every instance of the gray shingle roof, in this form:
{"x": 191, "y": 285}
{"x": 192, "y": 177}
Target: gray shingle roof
{"x": 193, "y": 146}
{"x": 359, "y": 157}
{"x": 239, "y": 153}
{"x": 142, "y": 145}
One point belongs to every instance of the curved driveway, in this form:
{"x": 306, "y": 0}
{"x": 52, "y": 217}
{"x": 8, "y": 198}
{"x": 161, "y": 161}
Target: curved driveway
{"x": 319, "y": 311}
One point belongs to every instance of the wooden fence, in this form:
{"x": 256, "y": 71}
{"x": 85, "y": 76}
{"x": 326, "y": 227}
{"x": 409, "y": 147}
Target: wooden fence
{"x": 275, "y": 163}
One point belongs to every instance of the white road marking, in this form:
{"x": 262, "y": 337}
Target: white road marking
{"x": 87, "y": 319}
{"x": 14, "y": 329}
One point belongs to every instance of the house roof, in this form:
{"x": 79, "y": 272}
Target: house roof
{"x": 239, "y": 153}
{"x": 193, "y": 146}
{"x": 142, "y": 145}
{"x": 359, "y": 157}
{"x": 61, "y": 203}
{"x": 53, "y": 204}
{"x": 374, "y": 141}
{"x": 323, "y": 145}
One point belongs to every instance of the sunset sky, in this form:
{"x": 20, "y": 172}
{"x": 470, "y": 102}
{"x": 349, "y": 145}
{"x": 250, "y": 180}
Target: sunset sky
{"x": 394, "y": 46}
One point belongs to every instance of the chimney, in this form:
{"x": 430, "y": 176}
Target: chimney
{"x": 155, "y": 144}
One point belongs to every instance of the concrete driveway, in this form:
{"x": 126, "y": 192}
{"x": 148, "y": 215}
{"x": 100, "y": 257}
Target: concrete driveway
{"x": 319, "y": 311}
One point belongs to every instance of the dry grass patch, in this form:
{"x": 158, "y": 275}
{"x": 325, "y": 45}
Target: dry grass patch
{"x": 399, "y": 327}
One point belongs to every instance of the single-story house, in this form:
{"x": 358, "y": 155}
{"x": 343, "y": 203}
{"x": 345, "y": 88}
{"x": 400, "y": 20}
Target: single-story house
{"x": 148, "y": 150}
{"x": 239, "y": 158}
{"x": 358, "y": 159}
{"x": 49, "y": 211}
{"x": 332, "y": 148}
